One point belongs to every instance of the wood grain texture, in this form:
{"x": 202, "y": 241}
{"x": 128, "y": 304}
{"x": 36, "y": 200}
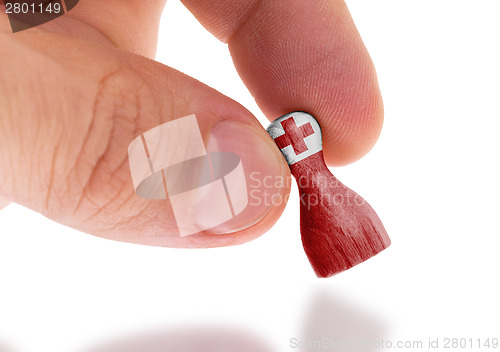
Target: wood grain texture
{"x": 339, "y": 228}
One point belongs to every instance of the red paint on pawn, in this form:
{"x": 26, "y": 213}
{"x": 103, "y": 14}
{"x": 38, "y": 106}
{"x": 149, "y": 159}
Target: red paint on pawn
{"x": 339, "y": 228}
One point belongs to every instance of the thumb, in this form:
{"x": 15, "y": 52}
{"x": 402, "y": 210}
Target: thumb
{"x": 69, "y": 111}
{"x": 3, "y": 203}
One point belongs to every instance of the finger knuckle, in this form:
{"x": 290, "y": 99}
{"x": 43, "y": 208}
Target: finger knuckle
{"x": 101, "y": 177}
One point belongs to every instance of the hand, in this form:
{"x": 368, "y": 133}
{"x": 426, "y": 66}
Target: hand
{"x": 76, "y": 91}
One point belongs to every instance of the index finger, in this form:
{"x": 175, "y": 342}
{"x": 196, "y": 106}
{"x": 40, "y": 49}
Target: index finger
{"x": 303, "y": 55}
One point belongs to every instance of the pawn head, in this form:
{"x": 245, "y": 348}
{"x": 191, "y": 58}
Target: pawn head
{"x": 297, "y": 134}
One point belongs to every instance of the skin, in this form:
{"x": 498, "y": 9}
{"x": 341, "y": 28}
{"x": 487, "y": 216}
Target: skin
{"x": 78, "y": 89}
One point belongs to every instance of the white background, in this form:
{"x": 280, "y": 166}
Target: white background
{"x": 432, "y": 177}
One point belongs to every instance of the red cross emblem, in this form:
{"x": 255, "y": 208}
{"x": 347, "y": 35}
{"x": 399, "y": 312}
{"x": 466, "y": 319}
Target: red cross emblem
{"x": 294, "y": 135}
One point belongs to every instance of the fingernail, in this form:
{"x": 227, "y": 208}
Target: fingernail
{"x": 226, "y": 185}
{"x": 249, "y": 176}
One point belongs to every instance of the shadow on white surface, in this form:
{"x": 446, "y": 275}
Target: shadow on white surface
{"x": 5, "y": 348}
{"x": 334, "y": 323}
{"x": 188, "y": 340}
